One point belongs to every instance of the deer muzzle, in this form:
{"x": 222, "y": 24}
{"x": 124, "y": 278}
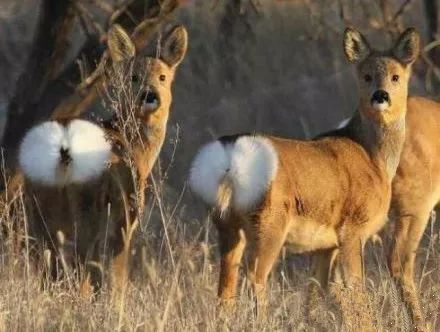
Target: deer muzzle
{"x": 380, "y": 100}
{"x": 149, "y": 100}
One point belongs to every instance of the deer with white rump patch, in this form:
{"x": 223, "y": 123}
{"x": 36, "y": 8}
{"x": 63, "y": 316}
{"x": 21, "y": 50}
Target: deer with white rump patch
{"x": 320, "y": 196}
{"x": 84, "y": 182}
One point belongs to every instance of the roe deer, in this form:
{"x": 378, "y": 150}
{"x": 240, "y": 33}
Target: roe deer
{"x": 84, "y": 182}
{"x": 324, "y": 195}
{"x": 415, "y": 193}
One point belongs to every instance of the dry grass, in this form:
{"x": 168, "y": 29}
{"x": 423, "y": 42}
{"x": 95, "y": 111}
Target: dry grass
{"x": 174, "y": 287}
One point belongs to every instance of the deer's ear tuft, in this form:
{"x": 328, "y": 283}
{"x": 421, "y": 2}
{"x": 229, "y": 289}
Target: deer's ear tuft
{"x": 356, "y": 47}
{"x": 120, "y": 45}
{"x": 175, "y": 46}
{"x": 407, "y": 47}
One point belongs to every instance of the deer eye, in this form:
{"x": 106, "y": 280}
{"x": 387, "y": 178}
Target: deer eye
{"x": 367, "y": 78}
{"x": 135, "y": 78}
{"x": 162, "y": 78}
{"x": 395, "y": 78}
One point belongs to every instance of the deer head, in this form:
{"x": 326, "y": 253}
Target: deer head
{"x": 383, "y": 76}
{"x": 151, "y": 78}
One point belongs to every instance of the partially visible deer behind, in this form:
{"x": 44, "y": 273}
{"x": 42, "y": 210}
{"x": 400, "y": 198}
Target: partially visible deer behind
{"x": 318, "y": 196}
{"x": 85, "y": 182}
{"x": 416, "y": 191}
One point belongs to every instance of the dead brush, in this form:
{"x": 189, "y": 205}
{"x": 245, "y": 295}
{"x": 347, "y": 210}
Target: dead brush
{"x": 122, "y": 99}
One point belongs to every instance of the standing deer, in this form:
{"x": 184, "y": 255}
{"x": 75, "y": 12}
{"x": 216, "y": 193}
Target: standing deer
{"x": 415, "y": 193}
{"x": 84, "y": 182}
{"x": 320, "y": 196}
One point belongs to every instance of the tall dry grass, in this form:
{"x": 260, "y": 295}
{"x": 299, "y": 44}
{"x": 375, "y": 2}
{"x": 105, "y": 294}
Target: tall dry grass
{"x": 174, "y": 282}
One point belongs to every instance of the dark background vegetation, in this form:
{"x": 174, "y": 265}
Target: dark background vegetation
{"x": 253, "y": 65}
{"x": 266, "y": 66}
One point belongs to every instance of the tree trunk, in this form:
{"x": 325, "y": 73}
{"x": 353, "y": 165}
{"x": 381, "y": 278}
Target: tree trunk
{"x": 38, "y": 71}
{"x": 235, "y": 25}
{"x": 432, "y": 8}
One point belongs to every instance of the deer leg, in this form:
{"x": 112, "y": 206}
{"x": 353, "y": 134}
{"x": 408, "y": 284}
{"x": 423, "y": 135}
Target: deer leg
{"x": 322, "y": 263}
{"x": 408, "y": 233}
{"x": 86, "y": 288}
{"x": 268, "y": 239}
{"x": 322, "y": 266}
{"x": 91, "y": 279}
{"x": 120, "y": 262}
{"x": 350, "y": 256}
{"x": 353, "y": 299}
{"x": 232, "y": 245}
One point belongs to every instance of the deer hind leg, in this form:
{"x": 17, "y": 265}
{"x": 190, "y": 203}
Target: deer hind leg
{"x": 118, "y": 270}
{"x": 120, "y": 262}
{"x": 408, "y": 233}
{"x": 91, "y": 279}
{"x": 232, "y": 245}
{"x": 268, "y": 237}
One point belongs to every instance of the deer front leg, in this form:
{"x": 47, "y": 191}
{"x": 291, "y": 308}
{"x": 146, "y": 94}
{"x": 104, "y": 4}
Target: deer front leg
{"x": 353, "y": 299}
{"x": 322, "y": 266}
{"x": 408, "y": 233}
{"x": 232, "y": 245}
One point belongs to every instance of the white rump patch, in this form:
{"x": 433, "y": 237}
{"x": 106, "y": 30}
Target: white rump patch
{"x": 207, "y": 169}
{"x": 82, "y": 142}
{"x": 251, "y": 162}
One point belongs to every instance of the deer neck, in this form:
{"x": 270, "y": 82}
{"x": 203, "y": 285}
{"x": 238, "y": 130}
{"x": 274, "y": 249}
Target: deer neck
{"x": 152, "y": 132}
{"x": 383, "y": 142}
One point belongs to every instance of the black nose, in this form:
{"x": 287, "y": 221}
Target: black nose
{"x": 149, "y": 97}
{"x": 380, "y": 96}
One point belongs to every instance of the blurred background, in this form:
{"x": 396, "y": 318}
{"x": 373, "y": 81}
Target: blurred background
{"x": 272, "y": 66}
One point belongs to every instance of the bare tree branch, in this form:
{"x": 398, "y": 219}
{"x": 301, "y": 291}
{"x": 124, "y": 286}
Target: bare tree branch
{"x": 88, "y": 20}
{"x": 403, "y": 8}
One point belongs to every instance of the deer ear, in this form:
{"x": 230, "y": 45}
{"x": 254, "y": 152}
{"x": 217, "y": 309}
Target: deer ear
{"x": 407, "y": 47}
{"x": 175, "y": 46}
{"x": 120, "y": 44}
{"x": 356, "y": 47}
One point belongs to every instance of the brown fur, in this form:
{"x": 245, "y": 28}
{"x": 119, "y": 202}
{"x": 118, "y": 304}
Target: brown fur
{"x": 416, "y": 191}
{"x": 332, "y": 193}
{"x": 98, "y": 218}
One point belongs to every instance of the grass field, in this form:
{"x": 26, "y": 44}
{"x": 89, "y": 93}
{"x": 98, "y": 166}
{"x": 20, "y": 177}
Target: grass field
{"x": 174, "y": 284}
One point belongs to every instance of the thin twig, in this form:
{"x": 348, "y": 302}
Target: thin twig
{"x": 89, "y": 20}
